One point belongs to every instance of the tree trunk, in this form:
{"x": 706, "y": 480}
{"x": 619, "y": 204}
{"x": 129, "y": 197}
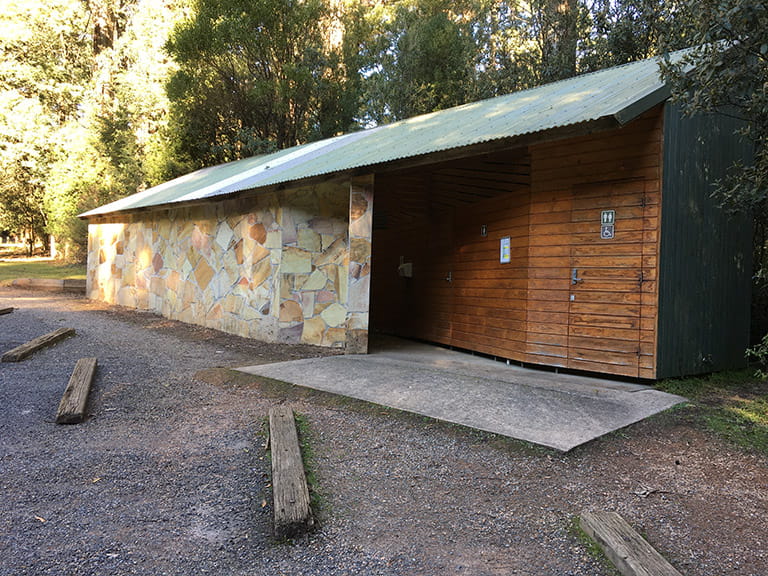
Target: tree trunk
{"x": 559, "y": 38}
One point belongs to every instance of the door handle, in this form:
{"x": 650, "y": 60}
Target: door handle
{"x": 449, "y": 278}
{"x": 575, "y": 277}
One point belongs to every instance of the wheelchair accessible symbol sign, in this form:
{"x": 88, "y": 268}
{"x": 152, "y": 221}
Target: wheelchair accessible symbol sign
{"x": 607, "y": 222}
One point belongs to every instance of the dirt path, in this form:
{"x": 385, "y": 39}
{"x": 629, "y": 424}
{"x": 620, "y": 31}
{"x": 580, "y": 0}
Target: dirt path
{"x": 169, "y": 474}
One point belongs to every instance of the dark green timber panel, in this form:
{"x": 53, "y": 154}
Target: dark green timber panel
{"x": 705, "y": 260}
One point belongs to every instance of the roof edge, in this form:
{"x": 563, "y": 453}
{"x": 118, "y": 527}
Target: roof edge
{"x": 559, "y": 110}
{"x": 643, "y": 104}
{"x": 609, "y": 122}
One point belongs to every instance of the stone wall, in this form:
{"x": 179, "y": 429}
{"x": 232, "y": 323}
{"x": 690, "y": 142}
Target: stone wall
{"x": 289, "y": 266}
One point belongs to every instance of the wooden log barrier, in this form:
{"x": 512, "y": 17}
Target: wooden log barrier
{"x": 6, "y": 310}
{"x": 628, "y": 551}
{"x": 293, "y": 514}
{"x": 21, "y": 352}
{"x": 75, "y": 398}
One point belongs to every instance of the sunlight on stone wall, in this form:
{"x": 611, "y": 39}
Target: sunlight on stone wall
{"x": 275, "y": 267}
{"x": 359, "y": 269}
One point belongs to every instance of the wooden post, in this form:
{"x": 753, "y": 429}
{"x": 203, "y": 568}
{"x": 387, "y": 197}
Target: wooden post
{"x": 75, "y": 398}
{"x": 289, "y": 484}
{"x": 21, "y": 352}
{"x": 628, "y": 551}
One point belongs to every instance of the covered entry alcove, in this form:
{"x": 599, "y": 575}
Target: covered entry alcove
{"x": 508, "y": 253}
{"x": 437, "y": 271}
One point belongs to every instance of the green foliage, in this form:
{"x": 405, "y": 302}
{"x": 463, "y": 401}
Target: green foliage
{"x": 82, "y": 109}
{"x": 43, "y": 64}
{"x": 759, "y": 354}
{"x": 732, "y": 405}
{"x": 125, "y": 95}
{"x": 24, "y": 156}
{"x": 727, "y": 72}
{"x": 420, "y": 58}
{"x": 43, "y": 53}
{"x": 77, "y": 180}
{"x": 254, "y": 76}
{"x": 425, "y": 55}
{"x": 556, "y": 23}
{"x": 623, "y": 32}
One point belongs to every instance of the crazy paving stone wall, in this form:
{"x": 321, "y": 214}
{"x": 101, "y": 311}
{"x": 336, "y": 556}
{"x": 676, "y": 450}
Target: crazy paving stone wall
{"x": 291, "y": 266}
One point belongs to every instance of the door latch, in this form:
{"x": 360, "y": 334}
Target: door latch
{"x": 575, "y": 277}
{"x": 449, "y": 278}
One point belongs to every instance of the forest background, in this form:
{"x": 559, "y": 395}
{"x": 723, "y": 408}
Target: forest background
{"x": 100, "y": 99}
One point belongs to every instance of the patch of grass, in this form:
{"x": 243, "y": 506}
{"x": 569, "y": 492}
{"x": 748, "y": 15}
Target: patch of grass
{"x": 20, "y": 268}
{"x": 592, "y": 548}
{"x": 317, "y": 501}
{"x": 732, "y": 405}
{"x": 699, "y": 387}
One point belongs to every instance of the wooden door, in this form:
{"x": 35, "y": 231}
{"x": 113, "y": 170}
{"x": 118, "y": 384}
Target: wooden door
{"x": 606, "y": 278}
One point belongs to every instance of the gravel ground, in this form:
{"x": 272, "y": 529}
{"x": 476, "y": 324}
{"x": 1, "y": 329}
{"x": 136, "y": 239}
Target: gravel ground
{"x": 169, "y": 474}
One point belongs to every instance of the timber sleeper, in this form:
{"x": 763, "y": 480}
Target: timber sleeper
{"x": 29, "y": 348}
{"x": 292, "y": 510}
{"x": 73, "y": 402}
{"x": 630, "y": 553}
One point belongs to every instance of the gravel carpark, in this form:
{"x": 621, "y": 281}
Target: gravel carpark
{"x": 169, "y": 473}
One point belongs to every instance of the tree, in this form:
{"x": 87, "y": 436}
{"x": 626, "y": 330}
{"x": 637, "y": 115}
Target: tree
{"x": 630, "y": 30}
{"x": 421, "y": 57}
{"x": 114, "y": 112}
{"x": 556, "y": 23}
{"x": 115, "y": 145}
{"x": 726, "y": 72}
{"x": 254, "y": 76}
{"x": 43, "y": 66}
{"x": 509, "y": 54}
{"x": 23, "y": 160}
{"x": 417, "y": 56}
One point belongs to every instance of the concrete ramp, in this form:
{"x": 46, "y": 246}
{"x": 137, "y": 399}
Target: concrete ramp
{"x": 560, "y": 411}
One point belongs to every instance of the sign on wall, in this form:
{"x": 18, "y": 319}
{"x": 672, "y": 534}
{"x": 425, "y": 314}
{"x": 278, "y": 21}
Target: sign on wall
{"x": 607, "y": 223}
{"x": 505, "y": 252}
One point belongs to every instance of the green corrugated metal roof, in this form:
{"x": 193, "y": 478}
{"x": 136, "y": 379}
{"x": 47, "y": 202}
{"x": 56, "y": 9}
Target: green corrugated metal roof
{"x": 620, "y": 93}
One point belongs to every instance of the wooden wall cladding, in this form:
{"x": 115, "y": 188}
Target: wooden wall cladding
{"x": 432, "y": 218}
{"x": 605, "y": 319}
{"x": 490, "y": 298}
{"x": 448, "y": 221}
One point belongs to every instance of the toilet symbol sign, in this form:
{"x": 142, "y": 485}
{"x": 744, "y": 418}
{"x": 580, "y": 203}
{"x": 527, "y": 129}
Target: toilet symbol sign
{"x": 607, "y": 221}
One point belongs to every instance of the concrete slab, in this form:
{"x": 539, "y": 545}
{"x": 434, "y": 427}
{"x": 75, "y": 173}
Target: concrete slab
{"x": 560, "y": 411}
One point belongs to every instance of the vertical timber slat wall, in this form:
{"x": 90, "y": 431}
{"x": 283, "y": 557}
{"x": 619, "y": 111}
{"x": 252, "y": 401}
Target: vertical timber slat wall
{"x": 705, "y": 297}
